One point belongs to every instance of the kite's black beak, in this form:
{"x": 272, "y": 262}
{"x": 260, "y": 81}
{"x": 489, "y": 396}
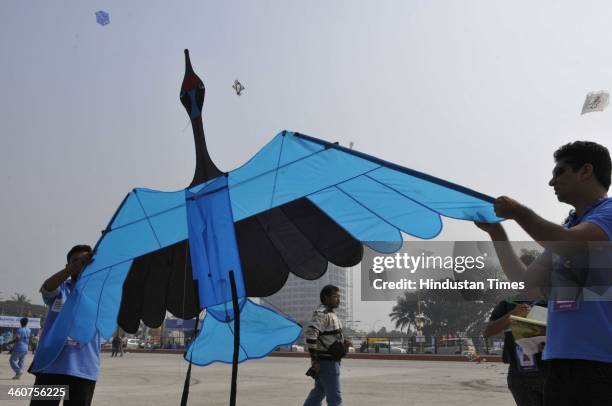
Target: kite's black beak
{"x": 192, "y": 97}
{"x": 192, "y": 90}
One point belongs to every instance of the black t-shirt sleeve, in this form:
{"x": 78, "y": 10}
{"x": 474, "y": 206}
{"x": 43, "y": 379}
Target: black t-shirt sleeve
{"x": 501, "y": 310}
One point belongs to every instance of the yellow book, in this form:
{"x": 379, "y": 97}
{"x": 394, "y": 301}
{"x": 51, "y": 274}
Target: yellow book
{"x": 524, "y": 327}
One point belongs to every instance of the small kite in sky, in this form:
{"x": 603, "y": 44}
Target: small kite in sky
{"x": 238, "y": 87}
{"x": 596, "y": 101}
{"x": 102, "y": 17}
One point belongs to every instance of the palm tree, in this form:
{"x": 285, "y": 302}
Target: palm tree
{"x": 21, "y": 300}
{"x": 405, "y": 312}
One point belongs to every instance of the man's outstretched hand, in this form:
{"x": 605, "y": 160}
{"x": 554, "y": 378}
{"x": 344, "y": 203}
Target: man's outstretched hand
{"x": 508, "y": 208}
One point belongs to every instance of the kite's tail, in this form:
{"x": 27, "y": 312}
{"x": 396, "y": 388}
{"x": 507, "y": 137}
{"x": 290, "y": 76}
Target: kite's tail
{"x": 262, "y": 330}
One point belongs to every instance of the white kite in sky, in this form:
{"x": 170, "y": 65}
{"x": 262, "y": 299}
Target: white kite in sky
{"x": 238, "y": 87}
{"x": 596, "y": 101}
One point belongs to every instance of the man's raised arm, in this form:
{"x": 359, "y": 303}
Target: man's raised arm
{"x": 537, "y": 274}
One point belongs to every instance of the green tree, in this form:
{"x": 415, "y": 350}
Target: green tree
{"x": 444, "y": 313}
{"x": 19, "y": 298}
{"x": 405, "y": 312}
{"x": 20, "y": 305}
{"x": 21, "y": 301}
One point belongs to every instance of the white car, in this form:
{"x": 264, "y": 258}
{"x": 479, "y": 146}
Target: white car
{"x": 132, "y": 344}
{"x": 383, "y": 348}
{"x": 454, "y": 346}
{"x": 297, "y": 348}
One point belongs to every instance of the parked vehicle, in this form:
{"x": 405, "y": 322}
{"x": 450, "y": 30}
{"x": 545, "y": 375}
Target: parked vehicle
{"x": 132, "y": 344}
{"x": 455, "y": 346}
{"x": 106, "y": 344}
{"x": 383, "y": 348}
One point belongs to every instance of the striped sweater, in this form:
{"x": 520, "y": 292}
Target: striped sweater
{"x": 324, "y": 329}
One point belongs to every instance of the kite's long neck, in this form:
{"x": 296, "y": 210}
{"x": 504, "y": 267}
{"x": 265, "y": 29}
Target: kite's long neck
{"x": 192, "y": 98}
{"x": 205, "y": 168}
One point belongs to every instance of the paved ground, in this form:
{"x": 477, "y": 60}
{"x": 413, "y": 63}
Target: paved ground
{"x": 157, "y": 379}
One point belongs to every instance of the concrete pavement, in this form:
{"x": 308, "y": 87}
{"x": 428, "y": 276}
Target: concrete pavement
{"x": 140, "y": 379}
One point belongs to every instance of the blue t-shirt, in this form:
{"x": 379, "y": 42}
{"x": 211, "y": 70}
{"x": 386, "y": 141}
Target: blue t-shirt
{"x": 82, "y": 361}
{"x": 24, "y": 340}
{"x": 586, "y": 332}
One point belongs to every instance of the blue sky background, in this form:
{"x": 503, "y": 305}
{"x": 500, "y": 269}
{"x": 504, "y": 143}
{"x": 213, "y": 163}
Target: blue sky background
{"x": 477, "y": 92}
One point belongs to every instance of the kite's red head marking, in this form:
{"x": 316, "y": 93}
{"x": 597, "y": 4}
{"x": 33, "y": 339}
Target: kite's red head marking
{"x": 190, "y": 82}
{"x": 192, "y": 90}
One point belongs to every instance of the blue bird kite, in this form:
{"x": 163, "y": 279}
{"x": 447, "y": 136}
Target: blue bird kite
{"x": 295, "y": 206}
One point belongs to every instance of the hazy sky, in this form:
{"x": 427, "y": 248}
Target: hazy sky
{"x": 477, "y": 92}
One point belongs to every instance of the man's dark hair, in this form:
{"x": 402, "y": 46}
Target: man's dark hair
{"x": 77, "y": 249}
{"x": 578, "y": 153}
{"x": 327, "y": 291}
{"x": 23, "y": 321}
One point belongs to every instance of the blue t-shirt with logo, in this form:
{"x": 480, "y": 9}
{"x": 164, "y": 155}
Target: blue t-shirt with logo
{"x": 82, "y": 361}
{"x": 24, "y": 339}
{"x": 586, "y": 331}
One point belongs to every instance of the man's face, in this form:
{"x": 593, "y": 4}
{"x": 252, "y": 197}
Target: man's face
{"x": 333, "y": 301}
{"x": 79, "y": 259}
{"x": 564, "y": 181}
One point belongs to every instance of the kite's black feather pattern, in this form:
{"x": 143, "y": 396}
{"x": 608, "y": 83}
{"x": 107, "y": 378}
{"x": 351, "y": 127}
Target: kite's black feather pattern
{"x": 296, "y": 237}
{"x": 159, "y": 281}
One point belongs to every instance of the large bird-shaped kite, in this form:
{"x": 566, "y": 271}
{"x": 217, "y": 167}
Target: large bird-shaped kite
{"x": 296, "y": 205}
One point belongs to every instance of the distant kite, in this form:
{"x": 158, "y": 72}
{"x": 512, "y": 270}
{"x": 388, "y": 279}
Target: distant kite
{"x": 102, "y": 17}
{"x": 238, "y": 87}
{"x": 596, "y": 101}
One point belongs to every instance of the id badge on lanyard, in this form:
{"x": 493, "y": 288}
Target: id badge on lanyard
{"x": 565, "y": 305}
{"x": 565, "y": 298}
{"x": 571, "y": 221}
{"x": 525, "y": 361}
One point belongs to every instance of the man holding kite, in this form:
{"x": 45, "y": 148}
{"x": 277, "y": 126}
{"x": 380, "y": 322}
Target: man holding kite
{"x": 579, "y": 330}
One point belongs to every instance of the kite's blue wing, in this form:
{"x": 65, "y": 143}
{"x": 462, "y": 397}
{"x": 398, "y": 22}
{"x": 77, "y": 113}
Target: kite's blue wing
{"x": 372, "y": 199}
{"x": 146, "y": 221}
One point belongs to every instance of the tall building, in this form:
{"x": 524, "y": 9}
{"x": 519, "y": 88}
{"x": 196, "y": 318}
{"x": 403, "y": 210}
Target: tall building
{"x": 299, "y": 297}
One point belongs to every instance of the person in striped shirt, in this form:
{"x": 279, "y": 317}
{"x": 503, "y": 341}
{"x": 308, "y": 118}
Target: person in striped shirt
{"x": 327, "y": 346}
